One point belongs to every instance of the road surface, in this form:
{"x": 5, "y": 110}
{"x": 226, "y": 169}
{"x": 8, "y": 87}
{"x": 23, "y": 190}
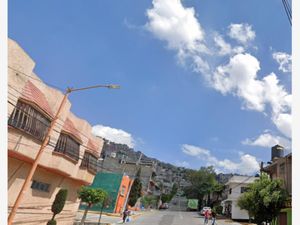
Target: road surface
{"x": 167, "y": 217}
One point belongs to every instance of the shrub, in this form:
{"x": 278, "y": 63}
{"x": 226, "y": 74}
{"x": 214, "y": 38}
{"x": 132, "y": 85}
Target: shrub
{"x": 218, "y": 209}
{"x": 51, "y": 222}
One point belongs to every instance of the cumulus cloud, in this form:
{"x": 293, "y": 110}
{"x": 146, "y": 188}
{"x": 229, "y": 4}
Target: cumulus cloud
{"x": 283, "y": 122}
{"x": 178, "y": 26}
{"x": 247, "y": 163}
{"x": 170, "y": 21}
{"x": 242, "y": 32}
{"x": 114, "y": 135}
{"x": 239, "y": 77}
{"x": 284, "y": 60}
{"x": 268, "y": 140}
{"x": 224, "y": 48}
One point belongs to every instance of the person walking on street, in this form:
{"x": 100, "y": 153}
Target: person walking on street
{"x": 206, "y": 216}
{"x": 125, "y": 215}
{"x": 213, "y": 218}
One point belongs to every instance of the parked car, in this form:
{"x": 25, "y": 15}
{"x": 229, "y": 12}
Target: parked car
{"x": 205, "y": 209}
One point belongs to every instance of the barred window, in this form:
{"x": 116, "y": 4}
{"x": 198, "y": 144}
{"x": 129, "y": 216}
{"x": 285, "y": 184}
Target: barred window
{"x": 89, "y": 161}
{"x": 40, "y": 186}
{"x": 68, "y": 146}
{"x": 29, "y": 120}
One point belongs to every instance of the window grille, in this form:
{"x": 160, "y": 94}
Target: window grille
{"x": 40, "y": 186}
{"x": 89, "y": 161}
{"x": 28, "y": 119}
{"x": 67, "y": 146}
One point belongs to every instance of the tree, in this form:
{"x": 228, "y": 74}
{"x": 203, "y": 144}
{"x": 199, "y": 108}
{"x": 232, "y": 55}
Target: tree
{"x": 202, "y": 183}
{"x": 136, "y": 189}
{"x": 91, "y": 196}
{"x": 58, "y": 204}
{"x": 218, "y": 189}
{"x": 263, "y": 199}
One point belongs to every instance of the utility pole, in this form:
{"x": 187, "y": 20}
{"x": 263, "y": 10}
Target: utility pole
{"x": 43, "y": 146}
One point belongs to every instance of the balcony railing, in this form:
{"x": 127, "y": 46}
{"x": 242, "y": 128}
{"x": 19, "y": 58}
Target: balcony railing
{"x": 28, "y": 119}
{"x": 89, "y": 162}
{"x": 68, "y": 146}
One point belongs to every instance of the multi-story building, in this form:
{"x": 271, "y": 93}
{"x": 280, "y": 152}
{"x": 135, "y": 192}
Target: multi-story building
{"x": 234, "y": 188}
{"x": 69, "y": 159}
{"x": 280, "y": 167}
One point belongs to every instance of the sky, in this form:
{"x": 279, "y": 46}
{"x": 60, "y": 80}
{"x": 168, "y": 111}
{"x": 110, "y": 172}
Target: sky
{"x": 203, "y": 82}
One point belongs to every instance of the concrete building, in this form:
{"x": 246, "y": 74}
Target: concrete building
{"x": 113, "y": 163}
{"x": 280, "y": 167}
{"x": 69, "y": 159}
{"x": 234, "y": 188}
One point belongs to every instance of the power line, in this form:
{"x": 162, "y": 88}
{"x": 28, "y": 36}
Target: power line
{"x": 34, "y": 78}
{"x": 288, "y": 10}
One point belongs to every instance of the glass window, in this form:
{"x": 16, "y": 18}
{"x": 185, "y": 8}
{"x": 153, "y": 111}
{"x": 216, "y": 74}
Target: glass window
{"x": 40, "y": 186}
{"x": 68, "y": 146}
{"x": 29, "y": 120}
{"x": 89, "y": 161}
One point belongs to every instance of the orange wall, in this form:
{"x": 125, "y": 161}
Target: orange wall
{"x": 125, "y": 185}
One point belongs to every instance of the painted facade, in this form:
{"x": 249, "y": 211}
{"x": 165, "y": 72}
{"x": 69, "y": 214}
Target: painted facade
{"x": 234, "y": 188}
{"x": 68, "y": 160}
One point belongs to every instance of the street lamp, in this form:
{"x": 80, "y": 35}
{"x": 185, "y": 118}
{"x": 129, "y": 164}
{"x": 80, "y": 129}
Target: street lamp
{"x": 44, "y": 144}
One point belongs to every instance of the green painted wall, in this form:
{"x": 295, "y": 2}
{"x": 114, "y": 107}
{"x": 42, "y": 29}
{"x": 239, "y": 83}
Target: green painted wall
{"x": 110, "y": 182}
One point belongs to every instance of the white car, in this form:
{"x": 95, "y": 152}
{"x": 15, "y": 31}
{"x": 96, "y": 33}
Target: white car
{"x": 205, "y": 209}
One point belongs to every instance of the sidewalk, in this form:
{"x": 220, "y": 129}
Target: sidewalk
{"x": 106, "y": 218}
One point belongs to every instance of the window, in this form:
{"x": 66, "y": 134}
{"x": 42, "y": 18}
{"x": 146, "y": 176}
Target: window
{"x": 244, "y": 189}
{"x": 89, "y": 161}
{"x": 230, "y": 191}
{"x": 29, "y": 120}
{"x": 40, "y": 186}
{"x": 68, "y": 146}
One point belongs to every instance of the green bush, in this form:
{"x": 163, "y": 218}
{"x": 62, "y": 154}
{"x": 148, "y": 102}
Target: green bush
{"x": 51, "y": 222}
{"x": 218, "y": 209}
{"x": 59, "y": 201}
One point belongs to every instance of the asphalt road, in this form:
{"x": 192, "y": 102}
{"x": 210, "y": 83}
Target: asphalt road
{"x": 167, "y": 217}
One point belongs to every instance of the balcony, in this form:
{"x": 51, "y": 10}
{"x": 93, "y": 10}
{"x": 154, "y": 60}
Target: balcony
{"x": 28, "y": 119}
{"x": 89, "y": 162}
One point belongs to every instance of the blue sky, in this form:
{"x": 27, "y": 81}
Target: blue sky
{"x": 203, "y": 82}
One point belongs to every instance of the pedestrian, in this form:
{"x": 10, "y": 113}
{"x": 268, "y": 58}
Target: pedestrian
{"x": 213, "y": 218}
{"x": 125, "y": 215}
{"x": 206, "y": 216}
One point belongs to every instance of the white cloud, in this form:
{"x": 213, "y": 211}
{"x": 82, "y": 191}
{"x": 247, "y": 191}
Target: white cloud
{"x": 114, "y": 135}
{"x": 268, "y": 140}
{"x": 243, "y": 32}
{"x": 225, "y": 48}
{"x": 239, "y": 78}
{"x": 170, "y": 21}
{"x": 284, "y": 60}
{"x": 247, "y": 164}
{"x": 283, "y": 122}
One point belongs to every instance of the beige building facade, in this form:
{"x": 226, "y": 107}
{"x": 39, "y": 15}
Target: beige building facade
{"x": 70, "y": 157}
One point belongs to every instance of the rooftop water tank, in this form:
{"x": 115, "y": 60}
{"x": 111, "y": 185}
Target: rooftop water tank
{"x": 277, "y": 152}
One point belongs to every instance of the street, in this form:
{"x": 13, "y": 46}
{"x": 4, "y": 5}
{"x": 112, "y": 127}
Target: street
{"x": 168, "y": 217}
